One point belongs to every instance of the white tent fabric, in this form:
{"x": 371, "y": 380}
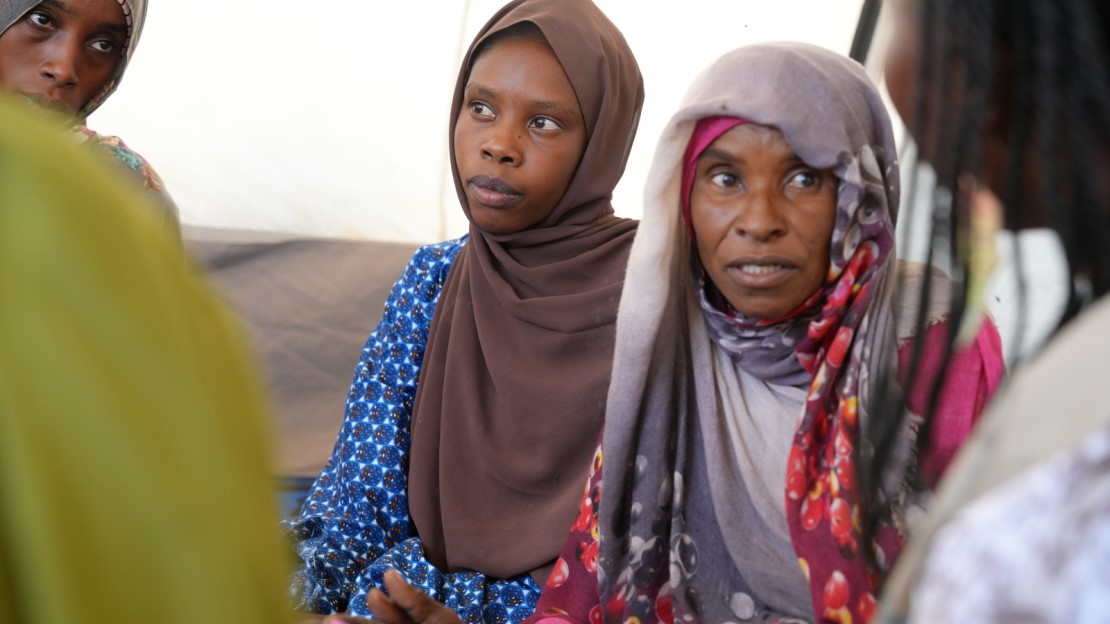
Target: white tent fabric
{"x": 330, "y": 119}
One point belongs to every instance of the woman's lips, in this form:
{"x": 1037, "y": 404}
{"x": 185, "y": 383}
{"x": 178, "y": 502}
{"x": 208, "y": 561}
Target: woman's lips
{"x": 759, "y": 273}
{"x": 493, "y": 192}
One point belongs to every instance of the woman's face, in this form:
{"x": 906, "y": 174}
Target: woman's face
{"x": 763, "y": 221}
{"x": 519, "y": 136}
{"x": 62, "y": 52}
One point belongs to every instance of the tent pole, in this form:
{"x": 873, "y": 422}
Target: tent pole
{"x": 865, "y": 30}
{"x": 460, "y": 50}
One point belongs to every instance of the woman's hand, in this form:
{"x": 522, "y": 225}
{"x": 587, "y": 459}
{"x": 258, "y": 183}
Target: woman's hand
{"x": 407, "y": 605}
{"x": 404, "y": 605}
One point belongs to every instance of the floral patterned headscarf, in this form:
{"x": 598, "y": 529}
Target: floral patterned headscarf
{"x": 668, "y": 381}
{"x": 11, "y": 11}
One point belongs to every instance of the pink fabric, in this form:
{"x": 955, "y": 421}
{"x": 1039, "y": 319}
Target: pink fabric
{"x": 974, "y": 375}
{"x": 571, "y": 593}
{"x": 709, "y": 129}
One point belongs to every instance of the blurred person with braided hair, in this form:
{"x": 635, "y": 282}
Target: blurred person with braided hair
{"x": 1009, "y": 103}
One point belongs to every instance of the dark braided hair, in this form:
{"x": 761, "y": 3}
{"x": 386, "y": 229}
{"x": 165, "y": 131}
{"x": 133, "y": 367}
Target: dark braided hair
{"x": 1036, "y": 73}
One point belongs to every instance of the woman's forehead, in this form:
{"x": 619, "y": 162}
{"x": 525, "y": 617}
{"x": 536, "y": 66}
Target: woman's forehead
{"x": 749, "y": 137}
{"x": 105, "y": 8}
{"x": 525, "y": 64}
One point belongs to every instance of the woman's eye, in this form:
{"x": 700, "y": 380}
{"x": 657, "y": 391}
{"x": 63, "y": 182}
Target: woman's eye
{"x": 481, "y": 109}
{"x": 724, "y": 179}
{"x": 40, "y": 19}
{"x": 545, "y": 123}
{"x": 103, "y": 46}
{"x": 804, "y": 179}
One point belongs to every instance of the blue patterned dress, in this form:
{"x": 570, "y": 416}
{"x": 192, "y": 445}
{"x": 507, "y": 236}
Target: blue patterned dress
{"x": 355, "y": 524}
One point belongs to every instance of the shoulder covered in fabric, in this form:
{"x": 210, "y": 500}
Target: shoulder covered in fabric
{"x": 139, "y": 169}
{"x": 426, "y": 272}
{"x": 439, "y": 254}
{"x": 973, "y": 374}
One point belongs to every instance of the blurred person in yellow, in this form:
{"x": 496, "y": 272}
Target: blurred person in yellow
{"x": 134, "y": 447}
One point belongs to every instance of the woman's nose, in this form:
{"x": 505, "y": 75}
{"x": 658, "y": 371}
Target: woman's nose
{"x": 760, "y": 218}
{"x": 502, "y": 144}
{"x": 62, "y": 64}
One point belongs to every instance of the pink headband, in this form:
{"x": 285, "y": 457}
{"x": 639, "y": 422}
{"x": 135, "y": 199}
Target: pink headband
{"x": 709, "y": 129}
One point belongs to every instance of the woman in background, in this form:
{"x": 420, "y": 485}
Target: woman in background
{"x": 69, "y": 57}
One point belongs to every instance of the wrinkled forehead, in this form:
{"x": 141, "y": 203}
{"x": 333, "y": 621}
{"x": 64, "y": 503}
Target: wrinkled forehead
{"x": 827, "y": 108}
{"x": 824, "y": 104}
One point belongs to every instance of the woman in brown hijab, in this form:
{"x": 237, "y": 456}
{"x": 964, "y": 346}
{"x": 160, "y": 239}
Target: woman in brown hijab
{"x": 478, "y": 400}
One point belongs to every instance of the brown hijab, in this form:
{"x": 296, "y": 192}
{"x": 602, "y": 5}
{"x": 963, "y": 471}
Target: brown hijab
{"x": 512, "y": 389}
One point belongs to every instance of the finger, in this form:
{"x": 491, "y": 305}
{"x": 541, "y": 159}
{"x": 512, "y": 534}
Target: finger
{"x": 419, "y": 606}
{"x": 384, "y": 609}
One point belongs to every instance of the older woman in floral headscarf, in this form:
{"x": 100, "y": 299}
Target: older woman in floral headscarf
{"x": 69, "y": 57}
{"x": 758, "y": 315}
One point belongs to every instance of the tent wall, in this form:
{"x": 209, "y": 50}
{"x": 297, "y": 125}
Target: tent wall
{"x": 330, "y": 119}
